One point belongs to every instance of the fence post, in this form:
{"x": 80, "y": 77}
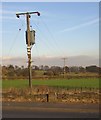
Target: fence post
{"x": 47, "y": 97}
{"x": 81, "y": 89}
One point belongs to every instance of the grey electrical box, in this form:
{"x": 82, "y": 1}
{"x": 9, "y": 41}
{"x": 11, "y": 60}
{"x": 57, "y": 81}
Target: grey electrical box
{"x": 32, "y": 37}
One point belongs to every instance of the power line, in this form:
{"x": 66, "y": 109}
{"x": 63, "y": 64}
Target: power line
{"x": 43, "y": 35}
{"x": 52, "y": 37}
{"x": 16, "y": 37}
{"x": 49, "y": 41}
{"x": 14, "y": 41}
{"x": 38, "y": 53}
{"x": 43, "y": 39}
{"x": 49, "y": 35}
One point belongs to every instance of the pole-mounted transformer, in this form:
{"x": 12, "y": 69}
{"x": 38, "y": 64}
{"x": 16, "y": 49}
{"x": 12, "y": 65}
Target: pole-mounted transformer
{"x": 32, "y": 37}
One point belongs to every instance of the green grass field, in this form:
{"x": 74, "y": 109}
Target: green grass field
{"x": 75, "y": 83}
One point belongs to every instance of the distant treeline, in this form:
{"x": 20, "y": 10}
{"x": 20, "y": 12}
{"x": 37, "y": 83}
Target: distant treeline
{"x": 11, "y": 71}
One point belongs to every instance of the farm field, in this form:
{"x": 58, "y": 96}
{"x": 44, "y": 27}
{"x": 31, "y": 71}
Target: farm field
{"x": 68, "y": 83}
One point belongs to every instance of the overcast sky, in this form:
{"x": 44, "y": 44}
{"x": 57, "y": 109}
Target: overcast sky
{"x": 68, "y": 30}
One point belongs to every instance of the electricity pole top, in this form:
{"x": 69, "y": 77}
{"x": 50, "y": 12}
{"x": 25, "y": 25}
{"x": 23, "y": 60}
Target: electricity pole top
{"x": 29, "y": 39}
{"x": 26, "y": 13}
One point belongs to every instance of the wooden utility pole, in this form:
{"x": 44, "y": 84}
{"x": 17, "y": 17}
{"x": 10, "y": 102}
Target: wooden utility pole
{"x": 29, "y": 42}
{"x": 64, "y": 59}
